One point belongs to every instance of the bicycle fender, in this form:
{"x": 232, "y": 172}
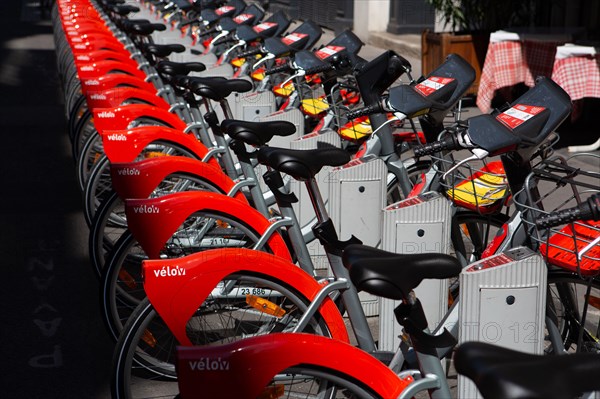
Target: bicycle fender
{"x": 138, "y": 179}
{"x": 96, "y": 69}
{"x": 116, "y": 80}
{"x": 127, "y": 145}
{"x": 118, "y": 95}
{"x": 152, "y": 221}
{"x": 100, "y": 55}
{"x": 253, "y": 362}
{"x": 177, "y": 287}
{"x": 85, "y": 30}
{"x": 120, "y": 118}
{"x": 101, "y": 43}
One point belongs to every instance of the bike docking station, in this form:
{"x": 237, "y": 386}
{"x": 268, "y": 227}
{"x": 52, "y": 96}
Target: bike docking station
{"x": 357, "y": 196}
{"x": 506, "y": 306}
{"x": 416, "y": 225}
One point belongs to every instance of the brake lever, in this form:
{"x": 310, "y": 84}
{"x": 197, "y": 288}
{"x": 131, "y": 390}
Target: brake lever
{"x": 220, "y": 35}
{"x": 238, "y": 44}
{"x": 478, "y": 154}
{"x": 300, "y": 72}
{"x": 264, "y": 59}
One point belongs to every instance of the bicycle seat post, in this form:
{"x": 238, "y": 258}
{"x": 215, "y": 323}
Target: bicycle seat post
{"x": 326, "y": 233}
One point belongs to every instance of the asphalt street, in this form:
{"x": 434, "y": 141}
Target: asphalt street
{"x": 53, "y": 342}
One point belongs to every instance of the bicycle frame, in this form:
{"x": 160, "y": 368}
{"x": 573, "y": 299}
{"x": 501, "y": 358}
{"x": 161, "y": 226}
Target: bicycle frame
{"x": 199, "y": 274}
{"x": 239, "y": 376}
{"x": 153, "y": 221}
{"x": 139, "y": 179}
{"x": 127, "y": 144}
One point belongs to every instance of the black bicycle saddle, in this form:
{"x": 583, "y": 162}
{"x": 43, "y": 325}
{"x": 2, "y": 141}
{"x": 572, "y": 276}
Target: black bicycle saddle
{"x": 302, "y": 164}
{"x": 256, "y": 133}
{"x": 394, "y": 276}
{"x": 501, "y": 373}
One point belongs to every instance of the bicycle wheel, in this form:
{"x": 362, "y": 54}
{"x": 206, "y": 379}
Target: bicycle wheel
{"x": 122, "y": 284}
{"x": 93, "y": 150}
{"x": 313, "y": 383}
{"x": 110, "y": 221}
{"x": 470, "y": 235}
{"x": 99, "y": 183}
{"x": 566, "y": 303}
{"x": 414, "y": 171}
{"x": 472, "y": 232}
{"x": 108, "y": 225}
{"x": 84, "y": 128}
{"x": 143, "y": 363}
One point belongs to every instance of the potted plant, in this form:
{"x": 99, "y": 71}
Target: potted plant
{"x": 468, "y": 24}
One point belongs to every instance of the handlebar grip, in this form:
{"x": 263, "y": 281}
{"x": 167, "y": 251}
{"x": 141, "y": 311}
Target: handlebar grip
{"x": 279, "y": 69}
{"x": 368, "y": 110}
{"x": 251, "y": 52}
{"x": 447, "y": 144}
{"x": 318, "y": 69}
{"x": 588, "y": 210}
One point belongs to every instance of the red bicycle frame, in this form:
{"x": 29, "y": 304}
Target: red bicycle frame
{"x": 176, "y": 297}
{"x": 116, "y": 96}
{"x": 138, "y": 179}
{"x": 121, "y": 117}
{"x": 242, "y": 370}
{"x": 127, "y": 145}
{"x": 153, "y": 221}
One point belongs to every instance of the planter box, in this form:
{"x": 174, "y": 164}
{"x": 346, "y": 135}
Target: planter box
{"x": 435, "y": 47}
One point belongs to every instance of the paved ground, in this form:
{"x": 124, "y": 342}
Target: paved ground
{"x": 53, "y": 344}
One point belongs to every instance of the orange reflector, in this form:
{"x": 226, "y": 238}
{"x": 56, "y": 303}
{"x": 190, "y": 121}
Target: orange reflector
{"x": 127, "y": 278}
{"x": 154, "y": 154}
{"x": 272, "y": 392}
{"x": 264, "y": 305}
{"x": 222, "y": 224}
{"x": 594, "y": 301}
{"x": 465, "y": 229}
{"x": 149, "y": 338}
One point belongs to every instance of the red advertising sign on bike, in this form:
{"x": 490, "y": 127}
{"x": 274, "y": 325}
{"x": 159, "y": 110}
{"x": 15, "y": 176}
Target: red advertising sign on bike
{"x": 328, "y": 51}
{"x": 264, "y": 26}
{"x": 515, "y": 116}
{"x": 293, "y": 38}
{"x": 432, "y": 84}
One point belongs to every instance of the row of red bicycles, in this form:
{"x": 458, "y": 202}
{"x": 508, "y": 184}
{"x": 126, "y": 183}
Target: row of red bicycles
{"x": 203, "y": 135}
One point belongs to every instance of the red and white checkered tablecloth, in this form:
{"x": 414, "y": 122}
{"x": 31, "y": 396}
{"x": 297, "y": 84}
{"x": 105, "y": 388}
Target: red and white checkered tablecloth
{"x": 511, "y": 62}
{"x": 579, "y": 76}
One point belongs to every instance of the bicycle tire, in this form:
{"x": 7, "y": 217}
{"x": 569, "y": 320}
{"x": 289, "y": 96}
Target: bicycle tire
{"x": 121, "y": 282}
{"x": 80, "y": 109}
{"x": 414, "y": 171}
{"x": 477, "y": 231}
{"x": 91, "y": 153}
{"x": 317, "y": 383}
{"x": 93, "y": 150}
{"x": 110, "y": 222}
{"x": 566, "y": 293}
{"x": 84, "y": 128}
{"x": 135, "y": 358}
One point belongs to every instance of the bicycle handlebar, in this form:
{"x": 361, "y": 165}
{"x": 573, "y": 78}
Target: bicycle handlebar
{"x": 588, "y": 210}
{"x": 251, "y": 52}
{"x": 318, "y": 69}
{"x": 368, "y": 110}
{"x": 447, "y": 144}
{"x": 279, "y": 69}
